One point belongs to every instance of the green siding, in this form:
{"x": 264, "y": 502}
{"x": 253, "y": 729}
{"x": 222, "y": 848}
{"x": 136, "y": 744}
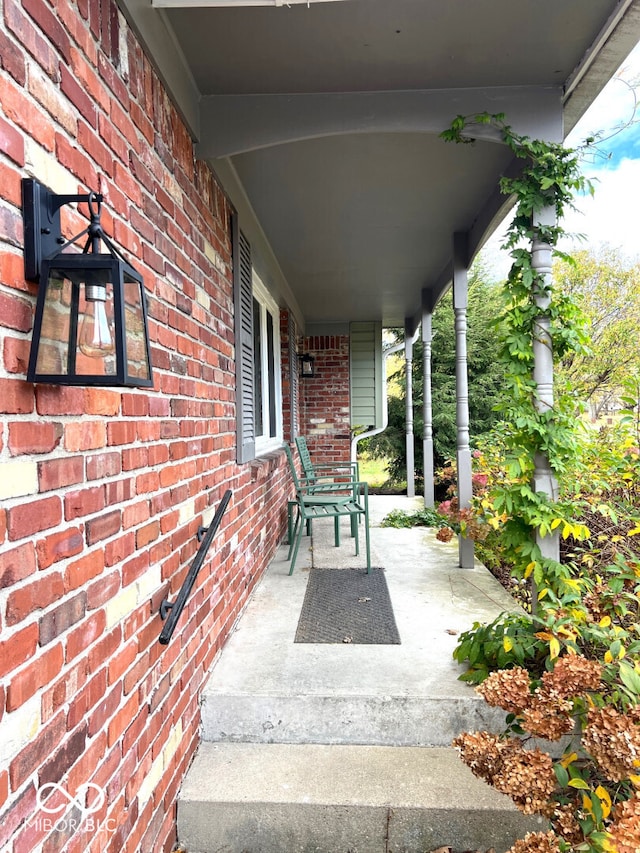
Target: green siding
{"x": 366, "y": 375}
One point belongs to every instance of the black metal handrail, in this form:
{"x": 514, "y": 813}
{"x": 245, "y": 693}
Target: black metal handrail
{"x": 205, "y": 535}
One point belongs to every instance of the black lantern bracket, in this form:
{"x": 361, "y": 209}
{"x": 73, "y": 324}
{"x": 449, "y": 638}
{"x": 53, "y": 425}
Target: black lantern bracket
{"x": 42, "y": 230}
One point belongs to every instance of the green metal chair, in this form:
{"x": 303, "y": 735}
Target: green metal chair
{"x": 324, "y": 500}
{"x": 339, "y": 472}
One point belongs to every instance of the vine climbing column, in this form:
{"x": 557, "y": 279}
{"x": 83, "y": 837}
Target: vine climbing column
{"x": 543, "y": 478}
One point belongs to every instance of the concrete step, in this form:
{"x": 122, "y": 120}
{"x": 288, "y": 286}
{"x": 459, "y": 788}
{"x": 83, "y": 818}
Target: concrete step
{"x": 345, "y": 718}
{"x": 312, "y": 798}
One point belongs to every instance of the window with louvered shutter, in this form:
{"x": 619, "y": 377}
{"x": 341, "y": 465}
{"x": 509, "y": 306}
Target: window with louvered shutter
{"x": 243, "y": 308}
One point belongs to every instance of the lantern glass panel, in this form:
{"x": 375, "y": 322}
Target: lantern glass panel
{"x": 136, "y": 344}
{"x": 53, "y": 349}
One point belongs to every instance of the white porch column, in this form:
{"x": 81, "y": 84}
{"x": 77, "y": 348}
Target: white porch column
{"x": 427, "y": 411}
{"x": 463, "y": 453}
{"x": 544, "y": 479}
{"x": 408, "y": 360}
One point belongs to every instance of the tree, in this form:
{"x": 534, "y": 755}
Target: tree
{"x": 608, "y": 291}
{"x": 485, "y": 381}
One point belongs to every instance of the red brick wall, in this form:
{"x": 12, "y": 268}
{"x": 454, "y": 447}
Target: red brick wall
{"x": 324, "y": 399}
{"x": 102, "y": 491}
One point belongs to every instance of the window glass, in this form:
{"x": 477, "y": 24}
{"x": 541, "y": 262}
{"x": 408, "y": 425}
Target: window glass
{"x": 267, "y": 385}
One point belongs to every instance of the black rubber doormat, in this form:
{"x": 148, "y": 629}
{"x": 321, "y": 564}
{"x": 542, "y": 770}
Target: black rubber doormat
{"x": 347, "y": 606}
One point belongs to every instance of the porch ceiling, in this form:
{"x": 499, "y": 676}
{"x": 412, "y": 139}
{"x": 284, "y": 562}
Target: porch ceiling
{"x": 328, "y": 117}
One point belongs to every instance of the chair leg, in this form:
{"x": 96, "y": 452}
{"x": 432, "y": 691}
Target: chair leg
{"x": 295, "y": 548}
{"x": 367, "y": 543}
{"x": 336, "y": 531}
{"x": 294, "y": 533}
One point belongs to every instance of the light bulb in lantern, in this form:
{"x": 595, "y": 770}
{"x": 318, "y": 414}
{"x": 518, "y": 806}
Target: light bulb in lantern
{"x": 96, "y": 340}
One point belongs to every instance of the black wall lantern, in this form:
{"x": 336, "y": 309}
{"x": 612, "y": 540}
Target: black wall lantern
{"x": 91, "y": 317}
{"x": 307, "y": 366}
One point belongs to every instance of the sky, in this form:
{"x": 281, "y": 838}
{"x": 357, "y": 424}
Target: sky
{"x": 612, "y": 216}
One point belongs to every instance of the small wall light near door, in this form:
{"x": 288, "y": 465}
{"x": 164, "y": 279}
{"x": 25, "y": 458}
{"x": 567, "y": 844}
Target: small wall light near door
{"x": 90, "y": 325}
{"x": 307, "y": 365}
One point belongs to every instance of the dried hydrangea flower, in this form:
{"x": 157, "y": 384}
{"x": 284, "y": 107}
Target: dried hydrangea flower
{"x": 547, "y": 716}
{"x": 525, "y": 775}
{"x": 537, "y": 842}
{"x": 624, "y": 832}
{"x": 573, "y": 675}
{"x": 613, "y": 739}
{"x": 507, "y": 688}
{"x": 565, "y": 824}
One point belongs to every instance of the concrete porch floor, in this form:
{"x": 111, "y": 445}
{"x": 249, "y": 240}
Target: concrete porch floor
{"x": 433, "y": 601}
{"x": 345, "y": 748}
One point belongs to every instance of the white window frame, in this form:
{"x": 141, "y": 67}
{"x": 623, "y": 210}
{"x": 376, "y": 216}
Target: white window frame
{"x": 266, "y": 442}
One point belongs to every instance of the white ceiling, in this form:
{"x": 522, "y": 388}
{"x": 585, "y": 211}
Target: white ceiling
{"x": 325, "y": 118}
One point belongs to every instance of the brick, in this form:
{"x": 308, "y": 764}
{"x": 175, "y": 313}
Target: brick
{"x": 136, "y": 514}
{"x": 100, "y": 466}
{"x": 18, "y": 649}
{"x": 121, "y": 661}
{"x": 16, "y": 397}
{"x": 33, "y": 437}
{"x": 59, "y": 546}
{"x": 136, "y": 457}
{"x": 63, "y": 690}
{"x": 102, "y": 590}
{"x": 147, "y": 534}
{"x": 55, "y": 474}
{"x": 57, "y": 621}
{"x": 121, "y": 432}
{"x": 21, "y": 810}
{"x": 33, "y": 517}
{"x": 28, "y": 116}
{"x": 105, "y": 710}
{"x": 119, "y": 549}
{"x": 85, "y": 634}
{"x": 49, "y": 96}
{"x": 4, "y": 787}
{"x": 34, "y": 596}
{"x": 119, "y": 491}
{"x": 123, "y": 719}
{"x": 37, "y": 752}
{"x": 59, "y": 400}
{"x": 84, "y": 502}
{"x": 80, "y": 572}
{"x": 64, "y": 758}
{"x": 85, "y": 435}
{"x": 26, "y": 682}
{"x": 17, "y": 564}
{"x": 72, "y": 158}
{"x": 12, "y": 60}
{"x": 103, "y": 527}
{"x": 78, "y": 97}
{"x": 10, "y": 228}
{"x": 134, "y": 568}
{"x": 18, "y": 479}
{"x": 16, "y": 313}
{"x": 86, "y": 698}
{"x": 50, "y": 25}
{"x": 99, "y": 401}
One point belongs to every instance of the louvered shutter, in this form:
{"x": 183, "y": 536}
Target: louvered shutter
{"x": 243, "y": 307}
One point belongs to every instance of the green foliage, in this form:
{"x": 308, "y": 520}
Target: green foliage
{"x": 588, "y": 605}
{"x": 424, "y": 517}
{"x": 485, "y": 376}
{"x": 508, "y": 641}
{"x": 609, "y": 294}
